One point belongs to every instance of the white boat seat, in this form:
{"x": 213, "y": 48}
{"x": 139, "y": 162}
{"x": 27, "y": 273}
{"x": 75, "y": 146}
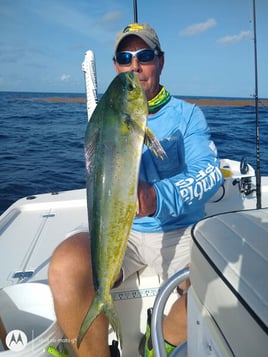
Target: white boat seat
{"x": 229, "y": 276}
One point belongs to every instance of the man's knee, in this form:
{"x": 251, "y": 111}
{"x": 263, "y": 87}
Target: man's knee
{"x": 72, "y": 256}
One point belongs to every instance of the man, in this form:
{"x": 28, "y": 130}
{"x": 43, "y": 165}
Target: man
{"x": 171, "y": 193}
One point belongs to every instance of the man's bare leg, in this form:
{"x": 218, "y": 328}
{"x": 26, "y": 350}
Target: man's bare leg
{"x": 70, "y": 279}
{"x": 175, "y": 324}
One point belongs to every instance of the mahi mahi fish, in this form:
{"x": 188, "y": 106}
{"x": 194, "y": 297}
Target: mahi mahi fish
{"x": 114, "y": 140}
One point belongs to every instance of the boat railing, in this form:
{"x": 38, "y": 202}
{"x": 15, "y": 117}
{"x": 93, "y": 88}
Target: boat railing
{"x": 158, "y": 312}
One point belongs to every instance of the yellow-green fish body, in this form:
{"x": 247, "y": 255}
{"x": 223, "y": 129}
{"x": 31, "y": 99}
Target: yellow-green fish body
{"x": 113, "y": 146}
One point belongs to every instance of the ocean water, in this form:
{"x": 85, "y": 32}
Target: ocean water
{"x": 41, "y": 142}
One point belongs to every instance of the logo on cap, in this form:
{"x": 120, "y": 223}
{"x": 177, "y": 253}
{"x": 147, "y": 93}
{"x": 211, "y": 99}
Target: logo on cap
{"x": 133, "y": 27}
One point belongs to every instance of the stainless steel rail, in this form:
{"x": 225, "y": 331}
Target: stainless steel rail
{"x": 158, "y": 311}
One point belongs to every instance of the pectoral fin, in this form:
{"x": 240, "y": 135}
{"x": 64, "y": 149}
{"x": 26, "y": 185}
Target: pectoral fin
{"x": 153, "y": 144}
{"x": 90, "y": 148}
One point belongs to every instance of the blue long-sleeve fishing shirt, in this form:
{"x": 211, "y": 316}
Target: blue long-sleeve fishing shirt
{"x": 188, "y": 177}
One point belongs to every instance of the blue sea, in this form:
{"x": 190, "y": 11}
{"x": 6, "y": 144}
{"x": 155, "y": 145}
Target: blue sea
{"x": 41, "y": 142}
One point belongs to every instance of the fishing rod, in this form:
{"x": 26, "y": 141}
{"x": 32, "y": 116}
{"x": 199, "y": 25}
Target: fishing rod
{"x": 258, "y": 168}
{"x": 135, "y": 9}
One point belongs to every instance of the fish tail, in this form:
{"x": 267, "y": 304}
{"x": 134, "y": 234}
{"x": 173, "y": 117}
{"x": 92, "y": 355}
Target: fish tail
{"x": 99, "y": 306}
{"x": 110, "y": 311}
{"x": 94, "y": 310}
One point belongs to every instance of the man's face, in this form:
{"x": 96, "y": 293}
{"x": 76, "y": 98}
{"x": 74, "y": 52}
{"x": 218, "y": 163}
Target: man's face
{"x": 148, "y": 73}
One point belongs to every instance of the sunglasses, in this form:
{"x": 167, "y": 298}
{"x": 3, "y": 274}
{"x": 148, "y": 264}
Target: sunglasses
{"x": 146, "y": 55}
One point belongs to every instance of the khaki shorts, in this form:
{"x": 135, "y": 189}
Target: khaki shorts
{"x": 165, "y": 252}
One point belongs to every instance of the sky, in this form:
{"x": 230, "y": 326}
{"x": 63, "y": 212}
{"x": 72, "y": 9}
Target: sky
{"x": 208, "y": 44}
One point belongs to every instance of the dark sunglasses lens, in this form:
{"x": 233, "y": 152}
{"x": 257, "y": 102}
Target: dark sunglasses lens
{"x": 123, "y": 58}
{"x": 145, "y": 56}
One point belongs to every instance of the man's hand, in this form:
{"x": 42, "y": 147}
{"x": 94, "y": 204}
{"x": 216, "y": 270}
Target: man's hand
{"x": 147, "y": 199}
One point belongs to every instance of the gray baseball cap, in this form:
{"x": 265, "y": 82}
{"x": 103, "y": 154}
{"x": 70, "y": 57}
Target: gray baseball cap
{"x": 144, "y": 31}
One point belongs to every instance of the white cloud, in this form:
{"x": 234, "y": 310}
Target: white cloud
{"x": 196, "y": 29}
{"x": 243, "y": 35}
{"x": 90, "y": 23}
{"x": 111, "y": 16}
{"x": 65, "y": 77}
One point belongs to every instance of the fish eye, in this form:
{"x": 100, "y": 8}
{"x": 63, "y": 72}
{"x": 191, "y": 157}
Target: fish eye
{"x": 130, "y": 87}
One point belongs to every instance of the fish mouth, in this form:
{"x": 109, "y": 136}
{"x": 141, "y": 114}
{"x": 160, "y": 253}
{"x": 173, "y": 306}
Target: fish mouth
{"x": 132, "y": 75}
